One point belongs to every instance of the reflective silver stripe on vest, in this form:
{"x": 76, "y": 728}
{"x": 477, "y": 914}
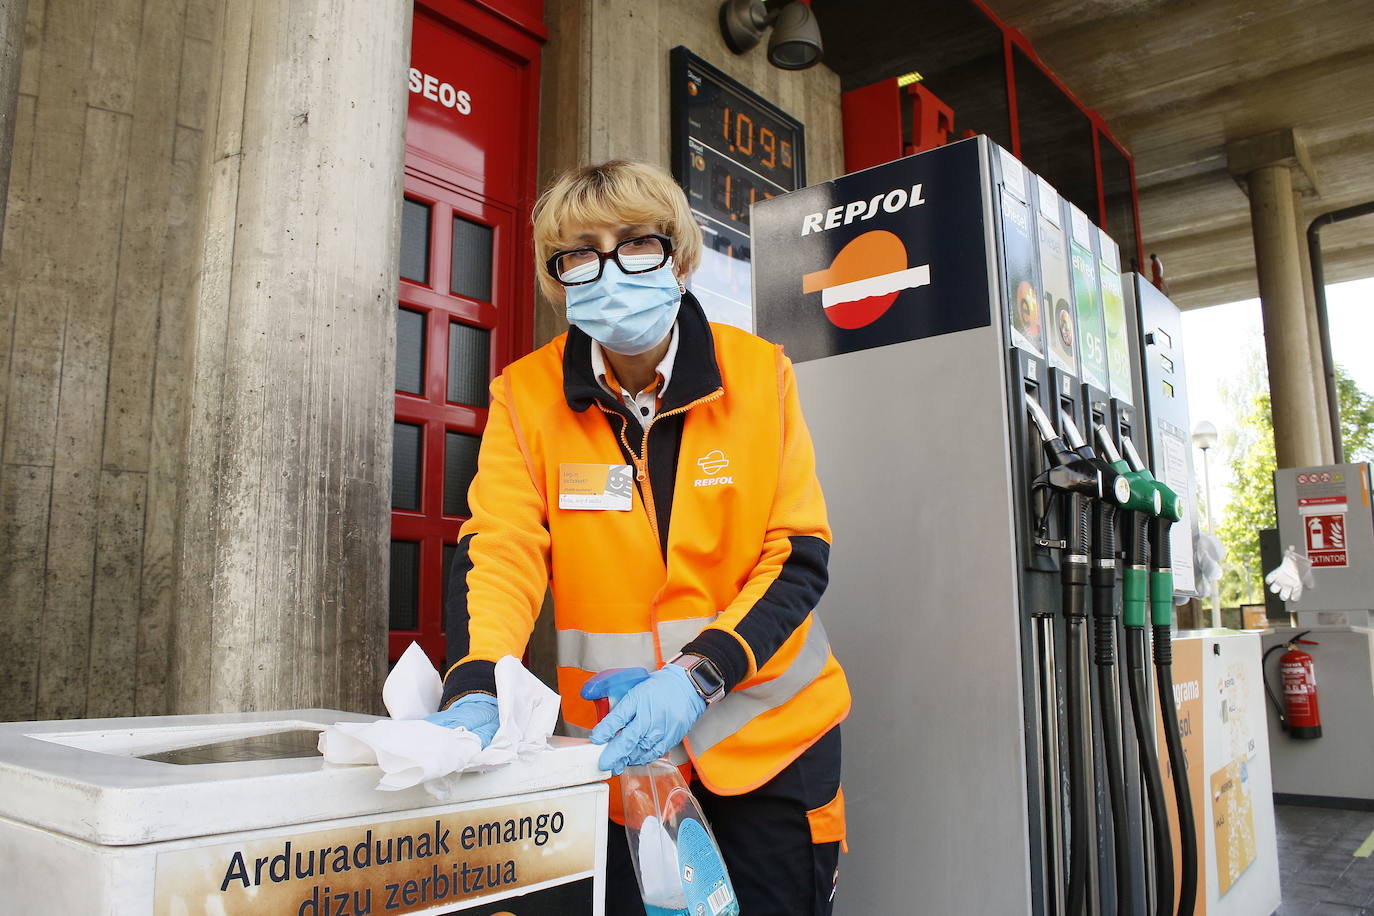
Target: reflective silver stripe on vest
{"x": 740, "y": 706}
{"x": 599, "y": 651}
{"x": 674, "y": 634}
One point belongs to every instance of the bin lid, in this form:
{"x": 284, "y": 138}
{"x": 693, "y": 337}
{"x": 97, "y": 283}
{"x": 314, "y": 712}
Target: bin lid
{"x": 119, "y": 782}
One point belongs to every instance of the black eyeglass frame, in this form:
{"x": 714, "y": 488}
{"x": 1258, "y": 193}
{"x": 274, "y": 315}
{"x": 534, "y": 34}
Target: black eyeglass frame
{"x": 551, "y": 265}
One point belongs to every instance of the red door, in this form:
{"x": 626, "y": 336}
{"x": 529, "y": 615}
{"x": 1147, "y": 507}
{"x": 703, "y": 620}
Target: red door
{"x": 466, "y": 288}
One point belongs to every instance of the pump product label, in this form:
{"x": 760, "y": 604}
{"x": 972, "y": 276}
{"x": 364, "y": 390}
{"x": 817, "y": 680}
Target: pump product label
{"x": 1056, "y": 298}
{"x": 1018, "y": 254}
{"x": 1092, "y": 342}
{"x": 1118, "y": 346}
{"x": 894, "y": 253}
{"x": 405, "y": 865}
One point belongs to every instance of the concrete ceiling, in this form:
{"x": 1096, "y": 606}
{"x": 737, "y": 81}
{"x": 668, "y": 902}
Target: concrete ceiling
{"x": 1176, "y": 80}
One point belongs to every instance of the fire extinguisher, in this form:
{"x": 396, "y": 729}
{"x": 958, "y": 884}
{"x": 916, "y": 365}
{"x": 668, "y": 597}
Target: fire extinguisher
{"x": 1298, "y": 714}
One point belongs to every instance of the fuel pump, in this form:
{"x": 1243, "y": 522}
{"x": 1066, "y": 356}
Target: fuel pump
{"x": 1078, "y": 482}
{"x": 1161, "y": 589}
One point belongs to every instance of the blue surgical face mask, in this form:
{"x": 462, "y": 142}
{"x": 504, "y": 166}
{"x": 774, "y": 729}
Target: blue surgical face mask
{"x": 627, "y": 314}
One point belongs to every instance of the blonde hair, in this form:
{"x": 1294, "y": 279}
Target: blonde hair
{"x": 619, "y": 192}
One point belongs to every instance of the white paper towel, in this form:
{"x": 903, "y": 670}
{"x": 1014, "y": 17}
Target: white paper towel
{"x": 659, "y": 867}
{"x": 411, "y": 751}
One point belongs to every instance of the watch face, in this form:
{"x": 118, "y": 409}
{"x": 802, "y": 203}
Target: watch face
{"x": 707, "y": 679}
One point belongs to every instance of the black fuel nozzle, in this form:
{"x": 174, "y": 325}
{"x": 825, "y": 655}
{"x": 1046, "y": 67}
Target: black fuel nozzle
{"x": 1069, "y": 472}
{"x": 1080, "y": 483}
{"x": 1116, "y": 489}
{"x": 1055, "y": 449}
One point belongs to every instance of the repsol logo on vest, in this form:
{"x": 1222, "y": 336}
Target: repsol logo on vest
{"x": 437, "y": 91}
{"x": 891, "y": 202}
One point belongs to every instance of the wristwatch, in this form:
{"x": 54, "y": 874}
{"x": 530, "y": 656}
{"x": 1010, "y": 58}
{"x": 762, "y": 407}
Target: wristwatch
{"x": 703, "y": 674}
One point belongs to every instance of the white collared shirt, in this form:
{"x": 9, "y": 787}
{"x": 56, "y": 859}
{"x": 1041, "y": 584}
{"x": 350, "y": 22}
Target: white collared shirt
{"x": 643, "y": 405}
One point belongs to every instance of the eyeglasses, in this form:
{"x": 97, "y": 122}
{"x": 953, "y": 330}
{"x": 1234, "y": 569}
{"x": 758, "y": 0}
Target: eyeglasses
{"x": 638, "y": 255}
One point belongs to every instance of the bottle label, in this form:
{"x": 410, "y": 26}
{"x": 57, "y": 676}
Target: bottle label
{"x": 705, "y": 883}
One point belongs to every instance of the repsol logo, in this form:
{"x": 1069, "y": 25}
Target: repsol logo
{"x": 436, "y": 91}
{"x": 891, "y": 202}
{"x": 713, "y": 481}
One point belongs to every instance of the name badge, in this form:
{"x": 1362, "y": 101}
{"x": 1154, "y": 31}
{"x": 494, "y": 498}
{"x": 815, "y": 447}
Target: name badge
{"x": 596, "y": 486}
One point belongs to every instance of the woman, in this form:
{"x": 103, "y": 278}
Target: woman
{"x": 654, "y": 470}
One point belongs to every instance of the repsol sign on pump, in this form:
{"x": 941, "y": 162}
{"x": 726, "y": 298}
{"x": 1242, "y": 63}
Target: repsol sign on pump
{"x": 886, "y": 255}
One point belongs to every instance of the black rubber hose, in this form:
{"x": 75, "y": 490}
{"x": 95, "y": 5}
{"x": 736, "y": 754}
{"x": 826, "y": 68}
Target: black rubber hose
{"x": 1149, "y": 768}
{"x": 1109, "y": 693}
{"x": 1116, "y": 771}
{"x": 1178, "y": 765}
{"x": 1074, "y": 579}
{"x": 1080, "y": 774}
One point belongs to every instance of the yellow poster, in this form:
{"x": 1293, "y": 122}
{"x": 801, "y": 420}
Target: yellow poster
{"x": 1233, "y": 822}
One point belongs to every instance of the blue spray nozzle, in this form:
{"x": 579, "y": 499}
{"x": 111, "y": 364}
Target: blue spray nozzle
{"x": 606, "y": 688}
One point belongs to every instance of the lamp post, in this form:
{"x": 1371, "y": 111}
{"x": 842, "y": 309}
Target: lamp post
{"x": 1205, "y": 437}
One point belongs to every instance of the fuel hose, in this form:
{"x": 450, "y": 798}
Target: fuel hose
{"x": 1161, "y": 611}
{"x": 1074, "y": 579}
{"x": 1109, "y": 692}
{"x": 1135, "y": 588}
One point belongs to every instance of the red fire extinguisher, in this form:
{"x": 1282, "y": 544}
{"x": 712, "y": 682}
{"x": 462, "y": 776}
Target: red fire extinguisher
{"x": 1299, "y": 713}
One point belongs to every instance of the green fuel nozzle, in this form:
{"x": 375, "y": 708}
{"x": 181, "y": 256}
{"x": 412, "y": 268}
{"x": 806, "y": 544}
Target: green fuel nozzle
{"x": 1144, "y": 503}
{"x": 1161, "y": 575}
{"x": 1143, "y": 494}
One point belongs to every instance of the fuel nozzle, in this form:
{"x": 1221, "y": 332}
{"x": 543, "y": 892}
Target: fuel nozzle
{"x": 1168, "y": 509}
{"x": 1068, "y": 471}
{"x": 1143, "y": 496}
{"x": 1115, "y": 486}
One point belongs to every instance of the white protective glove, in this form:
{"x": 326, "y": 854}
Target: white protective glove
{"x": 1290, "y": 577}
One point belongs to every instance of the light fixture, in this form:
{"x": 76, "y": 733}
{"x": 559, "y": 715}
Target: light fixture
{"x": 796, "y": 40}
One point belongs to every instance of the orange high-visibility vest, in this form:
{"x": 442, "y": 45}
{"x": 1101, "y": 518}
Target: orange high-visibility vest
{"x": 735, "y": 578}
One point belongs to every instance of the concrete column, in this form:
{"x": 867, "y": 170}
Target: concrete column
{"x": 1267, "y": 166}
{"x": 284, "y": 531}
{"x": 12, "y": 14}
{"x": 1297, "y": 433}
{"x": 1313, "y": 334}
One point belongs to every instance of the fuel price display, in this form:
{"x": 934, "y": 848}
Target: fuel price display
{"x": 731, "y": 149}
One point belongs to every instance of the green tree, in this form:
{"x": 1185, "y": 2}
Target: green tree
{"x": 1252, "y": 462}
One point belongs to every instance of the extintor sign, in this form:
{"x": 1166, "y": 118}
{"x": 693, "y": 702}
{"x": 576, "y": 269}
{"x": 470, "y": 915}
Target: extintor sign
{"x": 1326, "y": 540}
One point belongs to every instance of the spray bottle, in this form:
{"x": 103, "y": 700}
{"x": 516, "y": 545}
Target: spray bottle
{"x": 675, "y": 857}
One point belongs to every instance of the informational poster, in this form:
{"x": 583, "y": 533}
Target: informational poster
{"x": 1188, "y": 700}
{"x": 1018, "y": 251}
{"x": 1092, "y": 334}
{"x": 1233, "y": 824}
{"x": 1233, "y": 819}
{"x": 1056, "y": 296}
{"x": 1118, "y": 344}
{"x": 1173, "y": 471}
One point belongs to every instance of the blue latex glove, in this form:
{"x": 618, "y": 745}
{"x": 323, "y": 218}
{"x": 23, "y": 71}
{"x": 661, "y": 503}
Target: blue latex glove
{"x": 654, "y": 716}
{"x": 477, "y": 712}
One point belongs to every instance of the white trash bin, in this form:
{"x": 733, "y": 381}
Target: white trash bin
{"x": 230, "y": 814}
